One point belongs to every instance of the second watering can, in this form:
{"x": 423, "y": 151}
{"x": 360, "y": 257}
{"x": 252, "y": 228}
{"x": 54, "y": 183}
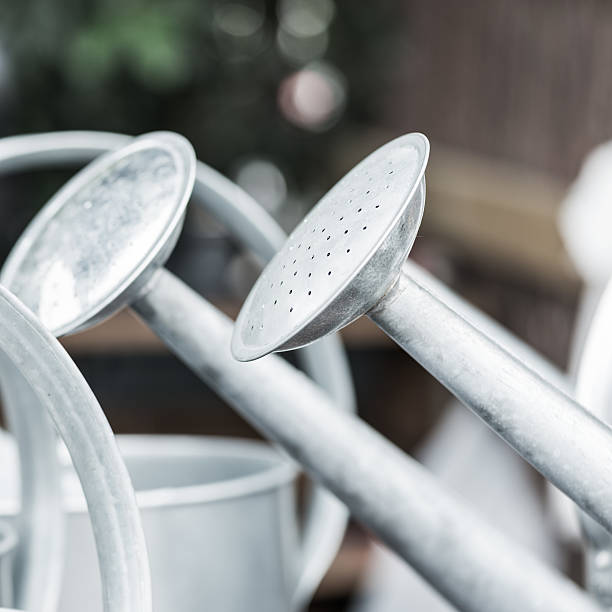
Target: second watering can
{"x": 220, "y": 522}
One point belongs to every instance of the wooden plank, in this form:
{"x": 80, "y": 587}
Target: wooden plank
{"x": 498, "y": 213}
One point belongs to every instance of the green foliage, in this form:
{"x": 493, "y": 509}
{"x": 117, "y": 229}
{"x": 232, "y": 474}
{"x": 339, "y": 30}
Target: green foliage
{"x": 139, "y": 65}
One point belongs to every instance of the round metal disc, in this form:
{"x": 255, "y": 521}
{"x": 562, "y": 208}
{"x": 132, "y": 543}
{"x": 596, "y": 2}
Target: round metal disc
{"x": 102, "y": 232}
{"x": 332, "y": 246}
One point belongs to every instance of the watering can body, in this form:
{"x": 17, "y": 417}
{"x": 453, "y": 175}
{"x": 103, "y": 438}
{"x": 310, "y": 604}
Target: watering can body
{"x": 220, "y": 522}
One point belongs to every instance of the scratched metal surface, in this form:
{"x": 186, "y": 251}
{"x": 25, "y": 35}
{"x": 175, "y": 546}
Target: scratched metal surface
{"x": 98, "y": 233}
{"x": 341, "y": 258}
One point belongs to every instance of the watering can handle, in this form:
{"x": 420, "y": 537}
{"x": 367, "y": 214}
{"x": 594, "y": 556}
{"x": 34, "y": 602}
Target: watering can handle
{"x": 38, "y": 564}
{"x": 52, "y": 383}
{"x": 326, "y": 516}
{"x": 324, "y": 361}
{"x": 62, "y": 391}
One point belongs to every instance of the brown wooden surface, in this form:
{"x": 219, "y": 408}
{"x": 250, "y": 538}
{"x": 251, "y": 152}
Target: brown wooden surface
{"x": 522, "y": 81}
{"x": 497, "y": 213}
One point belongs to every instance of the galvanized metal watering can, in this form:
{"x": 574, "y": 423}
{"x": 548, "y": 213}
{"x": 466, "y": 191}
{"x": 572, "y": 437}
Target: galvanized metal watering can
{"x": 457, "y": 553}
{"x": 49, "y": 379}
{"x": 360, "y": 234}
{"x": 220, "y": 523}
{"x": 325, "y": 362}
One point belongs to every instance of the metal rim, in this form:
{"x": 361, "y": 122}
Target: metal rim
{"x": 184, "y": 157}
{"x": 277, "y": 473}
{"x": 244, "y": 352}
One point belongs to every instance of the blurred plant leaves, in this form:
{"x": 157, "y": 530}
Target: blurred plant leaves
{"x": 149, "y": 42}
{"x": 210, "y": 69}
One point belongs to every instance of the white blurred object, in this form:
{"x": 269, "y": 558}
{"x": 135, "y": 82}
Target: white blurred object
{"x": 584, "y": 219}
{"x": 264, "y": 181}
{"x": 302, "y": 35}
{"x": 314, "y": 97}
{"x": 586, "y": 216}
{"x": 464, "y": 454}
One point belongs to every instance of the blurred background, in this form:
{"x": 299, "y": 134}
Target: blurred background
{"x": 284, "y": 96}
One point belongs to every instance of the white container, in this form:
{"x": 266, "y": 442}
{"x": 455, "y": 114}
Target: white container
{"x": 220, "y": 522}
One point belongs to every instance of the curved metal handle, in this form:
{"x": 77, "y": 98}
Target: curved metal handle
{"x": 325, "y": 361}
{"x": 58, "y": 386}
{"x": 326, "y": 517}
{"x": 39, "y": 560}
{"x": 61, "y": 389}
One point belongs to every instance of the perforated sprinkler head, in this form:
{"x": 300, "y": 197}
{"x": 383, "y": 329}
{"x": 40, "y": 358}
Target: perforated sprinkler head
{"x": 342, "y": 258}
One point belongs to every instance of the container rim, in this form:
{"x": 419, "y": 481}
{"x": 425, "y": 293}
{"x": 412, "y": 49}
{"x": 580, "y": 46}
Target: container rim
{"x": 278, "y": 472}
